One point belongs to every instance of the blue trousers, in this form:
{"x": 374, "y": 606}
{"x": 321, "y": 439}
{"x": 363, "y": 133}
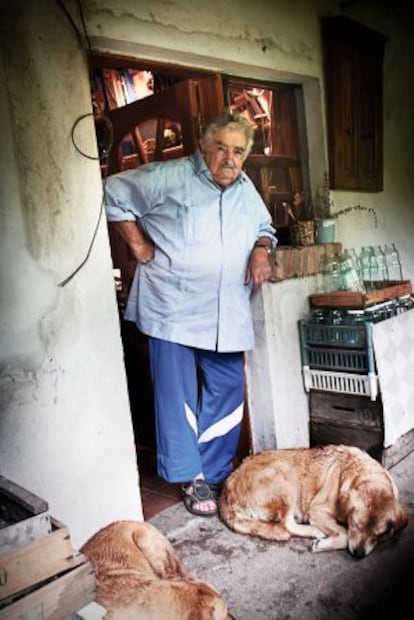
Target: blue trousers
{"x": 198, "y": 400}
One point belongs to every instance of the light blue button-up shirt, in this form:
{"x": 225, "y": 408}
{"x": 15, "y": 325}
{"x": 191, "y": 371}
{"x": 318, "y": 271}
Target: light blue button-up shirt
{"x": 193, "y": 291}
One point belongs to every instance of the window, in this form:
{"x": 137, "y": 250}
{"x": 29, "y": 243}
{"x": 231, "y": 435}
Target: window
{"x": 277, "y": 162}
{"x": 354, "y": 86}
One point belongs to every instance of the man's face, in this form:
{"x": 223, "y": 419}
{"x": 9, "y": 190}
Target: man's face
{"x": 225, "y": 155}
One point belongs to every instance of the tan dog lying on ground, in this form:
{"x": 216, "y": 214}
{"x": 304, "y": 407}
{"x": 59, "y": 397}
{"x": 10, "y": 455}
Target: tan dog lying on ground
{"x": 139, "y": 576}
{"x": 338, "y": 495}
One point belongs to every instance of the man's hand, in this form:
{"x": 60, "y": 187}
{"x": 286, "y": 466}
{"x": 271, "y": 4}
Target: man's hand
{"x": 143, "y": 251}
{"x": 258, "y": 269}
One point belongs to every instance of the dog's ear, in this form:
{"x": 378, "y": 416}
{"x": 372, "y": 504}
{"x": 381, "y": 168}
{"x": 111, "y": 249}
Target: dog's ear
{"x": 159, "y": 552}
{"x": 401, "y": 519}
{"x": 344, "y": 505}
{"x": 393, "y": 485}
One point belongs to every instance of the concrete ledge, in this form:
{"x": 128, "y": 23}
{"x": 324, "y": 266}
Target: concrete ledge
{"x": 399, "y": 449}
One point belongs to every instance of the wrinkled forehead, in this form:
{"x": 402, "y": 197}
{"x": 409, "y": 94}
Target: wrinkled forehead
{"x": 229, "y": 138}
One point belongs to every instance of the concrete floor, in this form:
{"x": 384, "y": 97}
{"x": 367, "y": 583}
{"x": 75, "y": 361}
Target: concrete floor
{"x": 285, "y": 581}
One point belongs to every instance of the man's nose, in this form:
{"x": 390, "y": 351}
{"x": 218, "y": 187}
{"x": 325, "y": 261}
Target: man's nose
{"x": 229, "y": 156}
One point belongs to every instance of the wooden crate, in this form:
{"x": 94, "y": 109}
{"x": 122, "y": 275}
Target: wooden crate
{"x": 348, "y": 409}
{"x": 45, "y": 579}
{"x": 323, "y": 433}
{"x": 56, "y": 599}
{"x": 354, "y": 300}
{"x": 346, "y": 419}
{"x": 24, "y": 517}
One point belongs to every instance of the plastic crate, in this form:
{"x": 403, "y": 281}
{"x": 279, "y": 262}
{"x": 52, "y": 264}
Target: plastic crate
{"x": 344, "y": 348}
{"x": 325, "y": 334}
{"x": 344, "y": 382}
{"x": 345, "y": 360}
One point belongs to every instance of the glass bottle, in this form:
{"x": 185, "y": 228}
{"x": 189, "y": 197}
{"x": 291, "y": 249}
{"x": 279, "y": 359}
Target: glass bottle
{"x": 354, "y": 317}
{"x": 382, "y": 273}
{"x": 354, "y": 255}
{"x": 392, "y": 258}
{"x": 364, "y": 267}
{"x": 350, "y": 280}
{"x": 373, "y": 266}
{"x": 332, "y": 278}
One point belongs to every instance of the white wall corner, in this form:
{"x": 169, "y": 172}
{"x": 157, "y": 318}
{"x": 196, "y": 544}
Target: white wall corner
{"x": 259, "y": 389}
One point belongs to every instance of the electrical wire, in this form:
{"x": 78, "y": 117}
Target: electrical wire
{"x": 85, "y": 31}
{"x": 88, "y": 48}
{"x": 72, "y": 22}
{"x": 101, "y": 208}
{"x": 109, "y": 127}
{"x": 105, "y": 153}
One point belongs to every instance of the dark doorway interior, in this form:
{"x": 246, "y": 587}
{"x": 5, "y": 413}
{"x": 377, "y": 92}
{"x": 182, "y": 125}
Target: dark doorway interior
{"x": 163, "y": 119}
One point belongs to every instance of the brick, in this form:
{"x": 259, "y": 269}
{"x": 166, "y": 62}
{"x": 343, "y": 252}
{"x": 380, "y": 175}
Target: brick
{"x": 298, "y": 262}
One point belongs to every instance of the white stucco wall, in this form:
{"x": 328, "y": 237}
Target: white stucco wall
{"x": 277, "y": 400}
{"x": 65, "y": 427}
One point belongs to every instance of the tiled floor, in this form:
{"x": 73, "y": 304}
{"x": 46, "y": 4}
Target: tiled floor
{"x": 156, "y": 494}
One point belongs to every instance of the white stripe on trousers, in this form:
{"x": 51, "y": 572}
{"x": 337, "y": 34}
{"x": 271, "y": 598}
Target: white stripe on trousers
{"x": 220, "y": 428}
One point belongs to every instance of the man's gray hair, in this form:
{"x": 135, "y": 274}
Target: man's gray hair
{"x": 232, "y": 120}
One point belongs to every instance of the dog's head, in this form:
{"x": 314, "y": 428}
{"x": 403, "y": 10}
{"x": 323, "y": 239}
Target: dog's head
{"x": 175, "y": 599}
{"x": 375, "y": 514}
{"x": 208, "y": 603}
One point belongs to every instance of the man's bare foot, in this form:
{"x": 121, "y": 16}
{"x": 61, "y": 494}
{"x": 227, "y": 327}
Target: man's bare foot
{"x": 198, "y": 498}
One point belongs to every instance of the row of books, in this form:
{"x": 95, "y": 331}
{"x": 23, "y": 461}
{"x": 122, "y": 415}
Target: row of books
{"x": 114, "y": 88}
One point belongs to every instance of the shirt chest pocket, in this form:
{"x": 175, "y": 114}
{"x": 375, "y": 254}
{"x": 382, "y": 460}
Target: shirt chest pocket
{"x": 201, "y": 225}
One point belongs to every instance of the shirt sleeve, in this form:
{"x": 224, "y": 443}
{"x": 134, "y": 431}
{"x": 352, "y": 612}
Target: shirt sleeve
{"x": 129, "y": 195}
{"x": 266, "y": 228}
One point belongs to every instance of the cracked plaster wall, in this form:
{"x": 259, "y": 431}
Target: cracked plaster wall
{"x": 65, "y": 428}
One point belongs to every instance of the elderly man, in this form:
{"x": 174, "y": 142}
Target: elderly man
{"x": 202, "y": 235}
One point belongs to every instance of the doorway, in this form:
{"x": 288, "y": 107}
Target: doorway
{"x": 157, "y": 113}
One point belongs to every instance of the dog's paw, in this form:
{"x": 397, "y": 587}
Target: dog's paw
{"x": 318, "y": 534}
{"x": 320, "y": 544}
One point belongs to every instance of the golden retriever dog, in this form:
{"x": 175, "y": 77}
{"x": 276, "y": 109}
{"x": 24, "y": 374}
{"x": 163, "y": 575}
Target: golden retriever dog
{"x": 139, "y": 576}
{"x": 336, "y": 494}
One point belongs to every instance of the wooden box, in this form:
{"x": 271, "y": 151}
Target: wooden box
{"x": 24, "y": 517}
{"x": 41, "y": 575}
{"x": 354, "y": 300}
{"x": 346, "y": 419}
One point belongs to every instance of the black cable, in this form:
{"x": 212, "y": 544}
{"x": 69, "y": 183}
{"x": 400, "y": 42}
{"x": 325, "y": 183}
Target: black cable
{"x": 109, "y": 127}
{"x": 74, "y": 26}
{"x": 105, "y": 153}
{"x": 105, "y": 156}
{"x": 85, "y": 31}
{"x": 88, "y": 253}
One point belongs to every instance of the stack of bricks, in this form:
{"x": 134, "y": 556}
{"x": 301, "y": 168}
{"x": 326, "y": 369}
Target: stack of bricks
{"x": 299, "y": 262}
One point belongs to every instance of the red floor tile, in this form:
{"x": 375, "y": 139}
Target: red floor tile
{"x": 156, "y": 493}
